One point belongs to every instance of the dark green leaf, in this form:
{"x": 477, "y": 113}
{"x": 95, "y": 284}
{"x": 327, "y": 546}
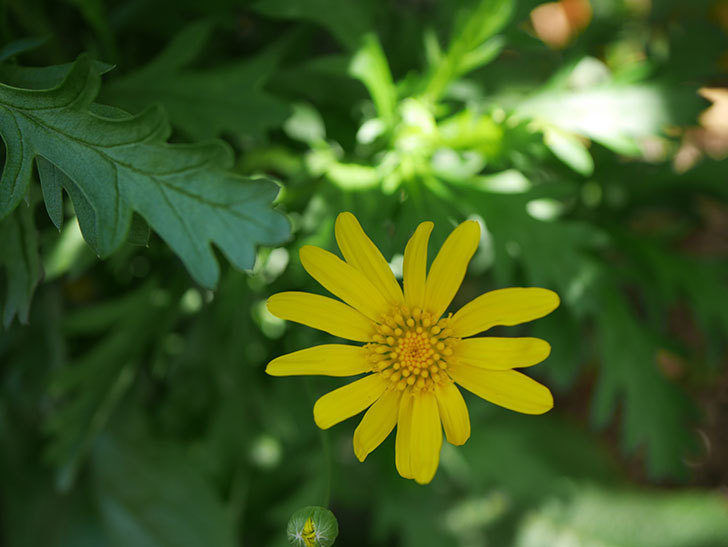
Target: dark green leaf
{"x": 203, "y": 104}
{"x": 44, "y": 77}
{"x": 21, "y": 46}
{"x": 656, "y": 414}
{"x": 89, "y": 387}
{"x": 346, "y": 21}
{"x": 19, "y": 256}
{"x": 122, "y": 165}
{"x": 154, "y": 497}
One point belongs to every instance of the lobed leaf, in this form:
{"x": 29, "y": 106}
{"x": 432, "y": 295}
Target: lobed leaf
{"x": 23, "y": 270}
{"x": 111, "y": 164}
{"x": 656, "y": 414}
{"x": 203, "y": 103}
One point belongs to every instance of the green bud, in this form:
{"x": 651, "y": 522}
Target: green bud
{"x": 312, "y": 526}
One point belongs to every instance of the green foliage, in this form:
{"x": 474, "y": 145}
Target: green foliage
{"x": 645, "y": 519}
{"x": 134, "y": 407}
{"x": 181, "y": 190}
{"x": 157, "y": 498}
{"x": 21, "y": 261}
{"x": 469, "y": 45}
{"x": 202, "y": 104}
{"x": 347, "y": 22}
{"x": 369, "y": 65}
{"x": 90, "y": 387}
{"x": 654, "y": 411}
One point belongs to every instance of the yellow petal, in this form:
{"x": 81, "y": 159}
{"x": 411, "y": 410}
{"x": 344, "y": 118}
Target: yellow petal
{"x": 506, "y": 388}
{"x": 426, "y": 437}
{"x": 453, "y": 413}
{"x": 377, "y": 424}
{"x": 327, "y": 360}
{"x": 340, "y": 404}
{"x": 403, "y": 451}
{"x": 503, "y": 307}
{"x": 344, "y": 281}
{"x": 360, "y": 252}
{"x": 448, "y": 268}
{"x": 502, "y": 353}
{"x": 322, "y": 313}
{"x": 414, "y": 268}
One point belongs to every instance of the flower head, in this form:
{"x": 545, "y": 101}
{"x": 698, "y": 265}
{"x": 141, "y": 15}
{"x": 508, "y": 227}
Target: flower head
{"x": 413, "y": 354}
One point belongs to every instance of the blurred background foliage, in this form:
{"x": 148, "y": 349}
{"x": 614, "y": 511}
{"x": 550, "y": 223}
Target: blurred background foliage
{"x": 588, "y": 137}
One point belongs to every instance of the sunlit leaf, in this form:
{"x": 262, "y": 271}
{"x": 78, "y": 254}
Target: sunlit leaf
{"x": 468, "y": 47}
{"x": 369, "y": 65}
{"x": 614, "y": 115}
{"x": 569, "y": 149}
{"x": 654, "y": 519}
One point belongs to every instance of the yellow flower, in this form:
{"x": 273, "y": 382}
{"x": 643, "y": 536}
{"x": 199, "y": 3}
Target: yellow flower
{"x": 412, "y": 356}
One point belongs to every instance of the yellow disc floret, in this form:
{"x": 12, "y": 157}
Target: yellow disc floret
{"x": 411, "y": 349}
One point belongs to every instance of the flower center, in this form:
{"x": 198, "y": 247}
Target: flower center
{"x": 411, "y": 350}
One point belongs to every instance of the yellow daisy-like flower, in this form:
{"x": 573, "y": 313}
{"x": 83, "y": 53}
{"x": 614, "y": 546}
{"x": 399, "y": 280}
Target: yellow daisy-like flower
{"x": 412, "y": 356}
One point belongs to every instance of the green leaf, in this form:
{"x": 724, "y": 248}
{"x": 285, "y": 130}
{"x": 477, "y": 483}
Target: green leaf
{"x": 474, "y": 28}
{"x": 554, "y": 253}
{"x": 44, "y": 77}
{"x": 152, "y": 496}
{"x": 22, "y": 264}
{"x": 50, "y": 182}
{"x": 482, "y": 55}
{"x": 28, "y": 496}
{"x": 138, "y": 232}
{"x": 202, "y": 103}
{"x": 89, "y": 388}
{"x": 123, "y": 164}
{"x": 95, "y": 14}
{"x": 569, "y": 149}
{"x": 351, "y": 176}
{"x": 468, "y": 47}
{"x": 647, "y": 519}
{"x": 21, "y": 46}
{"x": 69, "y": 254}
{"x": 656, "y": 414}
{"x": 614, "y": 114}
{"x": 369, "y": 65}
{"x": 529, "y": 457}
{"x": 347, "y": 21}
{"x": 305, "y": 125}
{"x": 672, "y": 276}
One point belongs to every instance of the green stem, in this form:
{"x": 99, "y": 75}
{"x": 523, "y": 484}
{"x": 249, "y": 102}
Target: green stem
{"x": 325, "y": 446}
